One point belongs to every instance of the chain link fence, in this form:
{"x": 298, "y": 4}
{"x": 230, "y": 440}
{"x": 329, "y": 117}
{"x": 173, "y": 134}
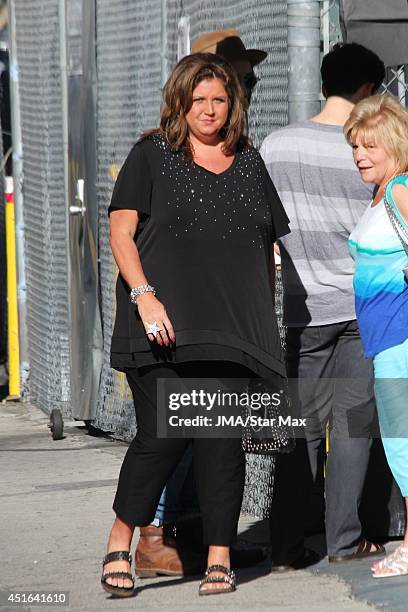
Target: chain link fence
{"x": 396, "y": 83}
{"x": 46, "y": 237}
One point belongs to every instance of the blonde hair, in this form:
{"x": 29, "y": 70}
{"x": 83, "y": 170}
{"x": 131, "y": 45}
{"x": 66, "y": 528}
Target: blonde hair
{"x": 381, "y": 119}
{"x": 178, "y": 99}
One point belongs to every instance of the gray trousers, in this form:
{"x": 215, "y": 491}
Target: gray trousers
{"x": 331, "y": 386}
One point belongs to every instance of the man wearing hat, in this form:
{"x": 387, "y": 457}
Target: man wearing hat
{"x": 157, "y": 552}
{"x": 228, "y": 44}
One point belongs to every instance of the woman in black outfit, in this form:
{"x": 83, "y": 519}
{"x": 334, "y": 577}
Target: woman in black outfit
{"x": 193, "y": 218}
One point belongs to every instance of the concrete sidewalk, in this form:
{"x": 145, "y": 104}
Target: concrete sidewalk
{"x": 56, "y": 513}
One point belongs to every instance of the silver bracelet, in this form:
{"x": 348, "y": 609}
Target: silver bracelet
{"x": 140, "y": 290}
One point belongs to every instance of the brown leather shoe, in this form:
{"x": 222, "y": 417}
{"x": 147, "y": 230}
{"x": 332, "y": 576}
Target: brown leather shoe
{"x": 364, "y": 550}
{"x": 307, "y": 558}
{"x": 158, "y": 555}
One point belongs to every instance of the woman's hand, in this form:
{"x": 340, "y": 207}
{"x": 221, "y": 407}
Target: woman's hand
{"x": 152, "y": 310}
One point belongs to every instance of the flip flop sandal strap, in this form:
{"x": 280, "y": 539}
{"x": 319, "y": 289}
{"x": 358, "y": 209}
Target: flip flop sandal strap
{"x": 397, "y": 555}
{"x": 388, "y": 559}
{"x": 394, "y": 569}
{"x": 397, "y": 562}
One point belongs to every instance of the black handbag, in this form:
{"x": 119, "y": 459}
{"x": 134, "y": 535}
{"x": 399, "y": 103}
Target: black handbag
{"x": 267, "y": 428}
{"x": 398, "y": 223}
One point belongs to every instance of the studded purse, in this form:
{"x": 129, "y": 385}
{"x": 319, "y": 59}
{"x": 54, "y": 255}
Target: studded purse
{"x": 267, "y": 427}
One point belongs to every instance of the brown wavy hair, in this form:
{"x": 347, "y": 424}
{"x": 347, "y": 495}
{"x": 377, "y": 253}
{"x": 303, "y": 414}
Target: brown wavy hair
{"x": 178, "y": 99}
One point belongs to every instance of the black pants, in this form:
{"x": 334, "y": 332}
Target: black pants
{"x": 219, "y": 464}
{"x": 332, "y": 385}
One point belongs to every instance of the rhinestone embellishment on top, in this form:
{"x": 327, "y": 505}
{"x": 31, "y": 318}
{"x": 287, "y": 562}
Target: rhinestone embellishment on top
{"x": 217, "y": 206}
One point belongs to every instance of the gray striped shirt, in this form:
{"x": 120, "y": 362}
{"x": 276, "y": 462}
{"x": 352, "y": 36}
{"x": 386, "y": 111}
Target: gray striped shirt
{"x": 312, "y": 168}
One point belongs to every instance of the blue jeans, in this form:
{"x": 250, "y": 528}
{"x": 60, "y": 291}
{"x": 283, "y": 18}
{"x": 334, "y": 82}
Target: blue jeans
{"x": 179, "y": 496}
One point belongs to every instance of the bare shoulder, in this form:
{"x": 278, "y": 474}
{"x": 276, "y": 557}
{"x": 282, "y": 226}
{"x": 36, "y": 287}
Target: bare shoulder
{"x": 400, "y": 195}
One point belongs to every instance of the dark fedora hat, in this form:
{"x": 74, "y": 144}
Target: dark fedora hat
{"x": 228, "y": 44}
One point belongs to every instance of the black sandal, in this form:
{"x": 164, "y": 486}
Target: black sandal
{"x": 117, "y": 555}
{"x": 229, "y": 579}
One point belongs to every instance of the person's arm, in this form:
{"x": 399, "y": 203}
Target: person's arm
{"x": 400, "y": 195}
{"x": 123, "y": 226}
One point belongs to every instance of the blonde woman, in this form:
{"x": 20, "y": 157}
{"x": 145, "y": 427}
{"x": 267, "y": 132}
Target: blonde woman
{"x": 378, "y": 133}
{"x": 193, "y": 218}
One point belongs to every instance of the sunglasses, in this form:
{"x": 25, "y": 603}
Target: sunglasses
{"x": 250, "y": 80}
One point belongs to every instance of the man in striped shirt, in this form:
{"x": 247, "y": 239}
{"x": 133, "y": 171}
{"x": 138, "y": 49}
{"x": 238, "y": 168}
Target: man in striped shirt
{"x": 312, "y": 168}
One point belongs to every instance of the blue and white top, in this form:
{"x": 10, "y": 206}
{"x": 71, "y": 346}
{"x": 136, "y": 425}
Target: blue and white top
{"x": 381, "y": 290}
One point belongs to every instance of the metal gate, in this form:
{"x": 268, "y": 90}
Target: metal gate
{"x": 56, "y": 76}
{"x": 45, "y": 214}
{"x": 79, "y": 113}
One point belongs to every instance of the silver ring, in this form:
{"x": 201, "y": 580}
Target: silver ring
{"x": 153, "y": 328}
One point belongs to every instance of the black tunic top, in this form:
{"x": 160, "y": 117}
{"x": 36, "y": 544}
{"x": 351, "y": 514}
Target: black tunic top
{"x": 205, "y": 241}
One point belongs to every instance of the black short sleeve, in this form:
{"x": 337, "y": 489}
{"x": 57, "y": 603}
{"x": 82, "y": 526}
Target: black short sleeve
{"x": 280, "y": 220}
{"x": 208, "y": 234}
{"x": 133, "y": 186}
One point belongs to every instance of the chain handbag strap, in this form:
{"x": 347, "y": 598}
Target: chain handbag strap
{"x": 397, "y": 222}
